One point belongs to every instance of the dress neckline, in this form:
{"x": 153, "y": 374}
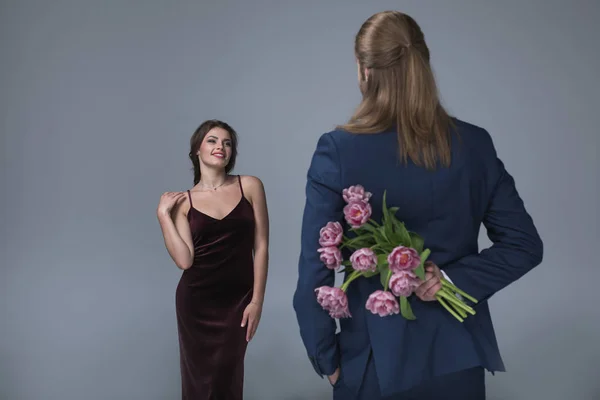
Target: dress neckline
{"x": 242, "y": 199}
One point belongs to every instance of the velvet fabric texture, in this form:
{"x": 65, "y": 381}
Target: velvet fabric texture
{"x": 210, "y": 302}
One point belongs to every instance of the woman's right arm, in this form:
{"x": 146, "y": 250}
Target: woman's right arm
{"x": 176, "y": 229}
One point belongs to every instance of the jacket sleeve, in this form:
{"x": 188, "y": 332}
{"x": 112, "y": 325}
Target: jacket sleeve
{"x": 324, "y": 203}
{"x": 516, "y": 245}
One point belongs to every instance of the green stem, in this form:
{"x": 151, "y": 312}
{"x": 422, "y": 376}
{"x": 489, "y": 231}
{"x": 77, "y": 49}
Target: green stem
{"x": 457, "y": 303}
{"x": 352, "y": 277}
{"x": 443, "y": 303}
{"x": 374, "y": 223}
{"x": 443, "y": 293}
{"x": 459, "y": 310}
{"x": 457, "y": 290}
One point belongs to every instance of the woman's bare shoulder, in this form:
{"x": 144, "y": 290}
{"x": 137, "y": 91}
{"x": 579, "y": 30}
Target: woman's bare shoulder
{"x": 251, "y": 180}
{"x": 252, "y": 185}
{"x": 183, "y": 206}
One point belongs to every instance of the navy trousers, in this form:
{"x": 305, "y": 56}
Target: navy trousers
{"x": 468, "y": 384}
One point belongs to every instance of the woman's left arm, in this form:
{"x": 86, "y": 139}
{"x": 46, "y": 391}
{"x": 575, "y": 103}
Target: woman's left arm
{"x": 256, "y": 193}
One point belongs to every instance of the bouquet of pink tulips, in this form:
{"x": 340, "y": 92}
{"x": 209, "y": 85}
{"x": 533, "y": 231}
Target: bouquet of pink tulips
{"x": 388, "y": 250}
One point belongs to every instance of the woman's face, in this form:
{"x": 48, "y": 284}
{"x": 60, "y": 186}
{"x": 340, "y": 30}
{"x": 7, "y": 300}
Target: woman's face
{"x": 215, "y": 149}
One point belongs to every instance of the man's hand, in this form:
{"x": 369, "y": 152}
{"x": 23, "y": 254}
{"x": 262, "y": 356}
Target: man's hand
{"x": 334, "y": 378}
{"x": 430, "y": 286}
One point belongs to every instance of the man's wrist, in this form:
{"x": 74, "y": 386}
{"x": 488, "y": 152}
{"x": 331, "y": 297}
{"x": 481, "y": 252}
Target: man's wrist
{"x": 450, "y": 280}
{"x": 446, "y": 276}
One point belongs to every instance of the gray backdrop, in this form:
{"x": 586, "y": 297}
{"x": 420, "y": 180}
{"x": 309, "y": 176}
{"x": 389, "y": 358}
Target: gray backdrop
{"x": 97, "y": 104}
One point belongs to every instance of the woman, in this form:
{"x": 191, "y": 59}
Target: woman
{"x": 217, "y": 233}
{"x": 444, "y": 176}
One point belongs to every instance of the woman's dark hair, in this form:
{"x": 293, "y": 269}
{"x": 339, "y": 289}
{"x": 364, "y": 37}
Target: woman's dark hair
{"x": 198, "y": 137}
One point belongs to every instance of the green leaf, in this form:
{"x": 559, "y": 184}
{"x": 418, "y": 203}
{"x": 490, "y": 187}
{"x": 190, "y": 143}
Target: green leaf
{"x": 363, "y": 236}
{"x": 370, "y": 274}
{"x": 405, "y": 236}
{"x": 401, "y": 235}
{"x": 386, "y": 236}
{"x": 420, "y": 270}
{"x": 394, "y": 238}
{"x": 382, "y": 259}
{"x": 384, "y": 274}
{"x": 368, "y": 227}
{"x": 388, "y": 225}
{"x": 383, "y": 244}
{"x": 392, "y": 227}
{"x": 405, "y": 309}
{"x": 365, "y": 240}
{"x": 384, "y": 206}
{"x": 424, "y": 255}
{"x": 375, "y": 223}
{"x": 389, "y": 249}
{"x": 417, "y": 242}
{"x": 363, "y": 230}
{"x": 380, "y": 238}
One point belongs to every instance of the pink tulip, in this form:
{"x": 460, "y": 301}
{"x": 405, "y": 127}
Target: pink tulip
{"x": 357, "y": 213}
{"x": 355, "y": 193}
{"x": 403, "y": 259}
{"x": 331, "y": 234}
{"x": 333, "y": 300}
{"x": 403, "y": 283}
{"x": 331, "y": 256}
{"x": 364, "y": 260}
{"x": 382, "y": 303}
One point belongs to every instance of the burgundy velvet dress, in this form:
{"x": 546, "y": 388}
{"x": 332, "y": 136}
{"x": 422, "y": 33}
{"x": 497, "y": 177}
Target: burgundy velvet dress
{"x": 210, "y": 302}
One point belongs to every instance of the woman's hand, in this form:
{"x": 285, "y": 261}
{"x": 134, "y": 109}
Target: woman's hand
{"x": 251, "y": 318}
{"x": 429, "y": 287}
{"x": 167, "y": 201}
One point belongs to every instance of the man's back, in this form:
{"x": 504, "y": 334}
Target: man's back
{"x": 446, "y": 207}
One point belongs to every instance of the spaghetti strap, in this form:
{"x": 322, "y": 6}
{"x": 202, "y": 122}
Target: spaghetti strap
{"x": 240, "y": 182}
{"x": 190, "y": 197}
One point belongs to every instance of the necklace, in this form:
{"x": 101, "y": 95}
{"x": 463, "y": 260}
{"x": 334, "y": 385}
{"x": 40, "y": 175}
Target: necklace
{"x": 213, "y": 187}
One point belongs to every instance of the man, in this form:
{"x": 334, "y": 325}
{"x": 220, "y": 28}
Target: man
{"x": 446, "y": 179}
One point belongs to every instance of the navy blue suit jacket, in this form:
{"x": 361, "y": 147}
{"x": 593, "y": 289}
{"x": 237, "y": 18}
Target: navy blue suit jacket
{"x": 447, "y": 208}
